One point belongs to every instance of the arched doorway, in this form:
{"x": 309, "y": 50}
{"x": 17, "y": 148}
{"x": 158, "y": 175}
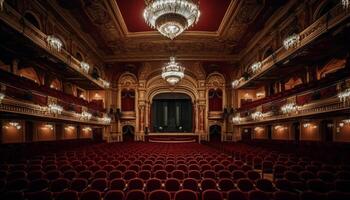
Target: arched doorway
{"x": 128, "y": 133}
{"x": 246, "y": 134}
{"x": 215, "y": 133}
{"x": 171, "y": 113}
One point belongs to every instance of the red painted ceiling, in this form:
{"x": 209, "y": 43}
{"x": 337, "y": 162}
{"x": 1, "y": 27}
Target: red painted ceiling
{"x": 212, "y": 13}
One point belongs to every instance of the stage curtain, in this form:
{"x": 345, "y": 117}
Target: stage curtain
{"x": 128, "y": 100}
{"x": 215, "y": 100}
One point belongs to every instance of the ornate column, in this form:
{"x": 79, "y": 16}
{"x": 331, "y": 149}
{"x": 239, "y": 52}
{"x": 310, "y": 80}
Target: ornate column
{"x": 141, "y": 132}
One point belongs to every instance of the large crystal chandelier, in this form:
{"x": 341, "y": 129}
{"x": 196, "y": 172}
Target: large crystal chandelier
{"x": 171, "y": 17}
{"x": 173, "y": 72}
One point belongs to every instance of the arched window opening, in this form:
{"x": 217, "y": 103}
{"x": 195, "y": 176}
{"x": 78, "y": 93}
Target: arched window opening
{"x": 128, "y": 100}
{"x": 215, "y": 100}
{"x": 32, "y": 19}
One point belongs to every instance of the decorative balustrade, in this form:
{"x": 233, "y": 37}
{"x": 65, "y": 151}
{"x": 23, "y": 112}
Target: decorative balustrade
{"x": 323, "y": 100}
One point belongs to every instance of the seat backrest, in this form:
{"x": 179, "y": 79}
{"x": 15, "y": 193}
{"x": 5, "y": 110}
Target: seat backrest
{"x": 159, "y": 195}
{"x": 90, "y": 195}
{"x": 67, "y": 195}
{"x": 114, "y": 195}
{"x": 236, "y": 195}
{"x": 212, "y": 194}
{"x": 153, "y": 184}
{"x": 185, "y": 195}
{"x": 208, "y": 183}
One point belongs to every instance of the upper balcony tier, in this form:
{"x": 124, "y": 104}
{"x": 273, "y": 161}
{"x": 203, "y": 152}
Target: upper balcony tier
{"x": 21, "y": 40}
{"x": 314, "y": 45}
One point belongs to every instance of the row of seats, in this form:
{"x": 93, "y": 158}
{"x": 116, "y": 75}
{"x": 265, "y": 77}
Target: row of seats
{"x": 172, "y": 168}
{"x": 184, "y": 194}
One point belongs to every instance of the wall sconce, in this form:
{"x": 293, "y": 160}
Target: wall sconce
{"x": 15, "y": 125}
{"x": 306, "y": 125}
{"x": 2, "y": 97}
{"x": 54, "y": 42}
{"x": 85, "y": 67}
{"x": 87, "y": 129}
{"x": 291, "y": 41}
{"x": 256, "y": 67}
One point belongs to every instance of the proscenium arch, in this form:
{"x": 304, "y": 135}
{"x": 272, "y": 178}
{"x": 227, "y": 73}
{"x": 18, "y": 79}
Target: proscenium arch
{"x": 190, "y": 90}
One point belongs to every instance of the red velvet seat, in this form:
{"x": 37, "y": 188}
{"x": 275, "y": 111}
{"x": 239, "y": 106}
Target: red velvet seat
{"x": 178, "y": 174}
{"x": 153, "y": 184}
{"x": 99, "y": 184}
{"x": 172, "y": 185}
{"x": 38, "y": 185}
{"x": 185, "y": 195}
{"x": 59, "y": 185}
{"x": 90, "y": 195}
{"x": 285, "y": 195}
{"x": 159, "y": 195}
{"x": 129, "y": 174}
{"x": 212, "y": 194}
{"x": 236, "y": 195}
{"x": 208, "y": 183}
{"x": 135, "y": 184}
{"x": 258, "y": 195}
{"x": 245, "y": 185}
{"x": 190, "y": 184}
{"x": 67, "y": 195}
{"x": 117, "y": 184}
{"x": 145, "y": 174}
{"x": 161, "y": 174}
{"x": 79, "y": 184}
{"x": 114, "y": 195}
{"x": 265, "y": 185}
{"x": 226, "y": 184}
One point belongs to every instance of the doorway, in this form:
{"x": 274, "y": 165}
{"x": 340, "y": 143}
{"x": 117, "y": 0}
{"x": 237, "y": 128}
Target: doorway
{"x": 215, "y": 133}
{"x": 128, "y": 133}
{"x": 246, "y": 134}
{"x": 327, "y": 130}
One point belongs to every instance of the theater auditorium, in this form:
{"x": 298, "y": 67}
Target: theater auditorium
{"x": 174, "y": 99}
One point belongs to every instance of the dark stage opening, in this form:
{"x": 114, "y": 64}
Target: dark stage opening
{"x": 172, "y": 112}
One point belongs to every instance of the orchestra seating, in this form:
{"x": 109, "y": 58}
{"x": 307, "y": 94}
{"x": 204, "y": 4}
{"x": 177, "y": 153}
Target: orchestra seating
{"x": 135, "y": 170}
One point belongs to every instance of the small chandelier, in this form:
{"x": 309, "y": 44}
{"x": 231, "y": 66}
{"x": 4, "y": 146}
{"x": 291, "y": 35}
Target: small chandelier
{"x": 257, "y": 116}
{"x": 344, "y": 96}
{"x": 85, "y": 67}
{"x": 54, "y": 42}
{"x": 171, "y": 17}
{"x": 291, "y": 41}
{"x": 173, "y": 72}
{"x": 16, "y": 125}
{"x": 256, "y": 67}
{"x": 346, "y": 4}
{"x": 55, "y": 109}
{"x": 236, "y": 120}
{"x": 106, "y": 120}
{"x": 289, "y": 108}
{"x": 2, "y": 96}
{"x": 85, "y": 116}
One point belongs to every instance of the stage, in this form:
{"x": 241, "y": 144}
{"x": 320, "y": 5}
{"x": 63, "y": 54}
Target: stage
{"x": 172, "y": 137}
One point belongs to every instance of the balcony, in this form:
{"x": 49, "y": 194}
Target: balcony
{"x": 34, "y": 50}
{"x": 280, "y": 60}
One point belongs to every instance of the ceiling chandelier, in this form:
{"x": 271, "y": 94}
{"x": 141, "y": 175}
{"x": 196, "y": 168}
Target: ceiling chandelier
{"x": 173, "y": 72}
{"x": 171, "y": 17}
